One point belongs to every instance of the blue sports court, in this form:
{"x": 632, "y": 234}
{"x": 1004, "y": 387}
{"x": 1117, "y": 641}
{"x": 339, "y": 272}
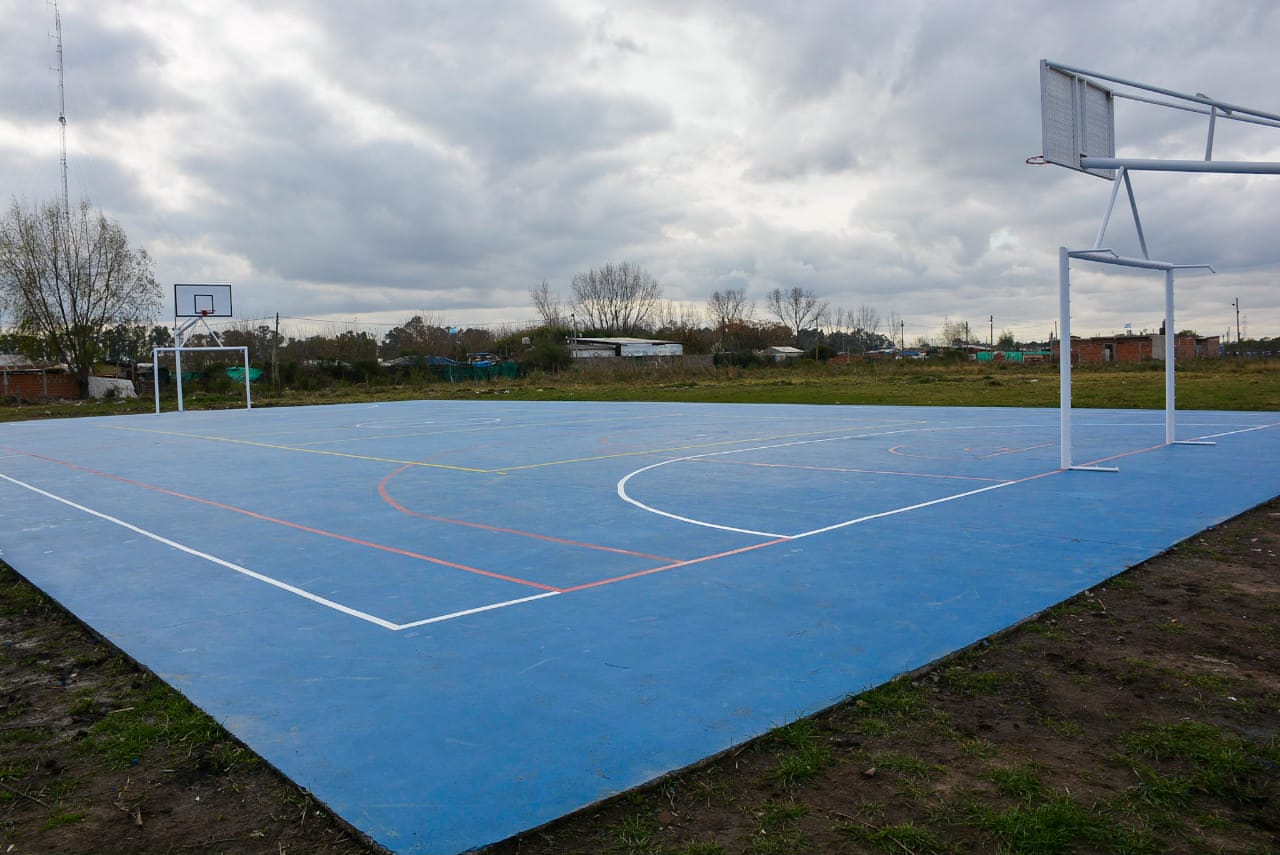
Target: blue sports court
{"x": 456, "y": 621}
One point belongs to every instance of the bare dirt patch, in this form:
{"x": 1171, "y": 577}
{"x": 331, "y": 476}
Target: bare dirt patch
{"x": 1141, "y": 716}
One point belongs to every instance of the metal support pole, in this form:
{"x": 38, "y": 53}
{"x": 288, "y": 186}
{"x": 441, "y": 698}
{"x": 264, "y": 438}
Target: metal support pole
{"x": 155, "y": 376}
{"x": 1137, "y": 220}
{"x": 1064, "y": 356}
{"x": 1170, "y": 359}
{"x": 177, "y": 361}
{"x": 248, "y": 398}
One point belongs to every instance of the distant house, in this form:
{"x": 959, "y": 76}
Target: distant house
{"x": 590, "y": 348}
{"x": 1100, "y": 350}
{"x": 781, "y": 353}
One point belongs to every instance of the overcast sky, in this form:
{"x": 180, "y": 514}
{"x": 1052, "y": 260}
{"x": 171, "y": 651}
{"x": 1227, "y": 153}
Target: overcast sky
{"x": 375, "y": 160}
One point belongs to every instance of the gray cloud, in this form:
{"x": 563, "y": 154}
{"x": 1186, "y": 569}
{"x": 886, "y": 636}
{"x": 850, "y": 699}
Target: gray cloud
{"x": 387, "y": 159}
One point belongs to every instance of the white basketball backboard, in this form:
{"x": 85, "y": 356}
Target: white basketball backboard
{"x": 1077, "y": 119}
{"x": 202, "y": 301}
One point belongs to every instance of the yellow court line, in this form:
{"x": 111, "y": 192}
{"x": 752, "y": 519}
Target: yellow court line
{"x": 640, "y": 453}
{"x": 277, "y": 447}
{"x": 411, "y": 434}
{"x": 502, "y": 470}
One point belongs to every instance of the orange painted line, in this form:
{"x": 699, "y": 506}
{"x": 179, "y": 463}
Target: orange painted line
{"x": 298, "y": 526}
{"x": 387, "y": 497}
{"x": 676, "y": 565}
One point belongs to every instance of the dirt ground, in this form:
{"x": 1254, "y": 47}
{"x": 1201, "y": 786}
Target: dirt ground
{"x": 1141, "y": 716}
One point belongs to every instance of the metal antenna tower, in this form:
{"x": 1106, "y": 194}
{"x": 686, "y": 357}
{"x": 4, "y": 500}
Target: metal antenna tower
{"x": 62, "y": 108}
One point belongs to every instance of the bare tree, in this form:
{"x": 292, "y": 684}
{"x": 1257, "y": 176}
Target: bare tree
{"x": 67, "y": 275}
{"x": 797, "y": 308}
{"x": 725, "y": 307}
{"x": 548, "y": 305}
{"x": 955, "y": 333}
{"x": 616, "y": 298}
{"x": 866, "y": 319}
{"x": 897, "y": 329}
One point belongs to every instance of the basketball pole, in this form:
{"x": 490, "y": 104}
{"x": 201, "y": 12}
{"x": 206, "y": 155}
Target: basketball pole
{"x": 1064, "y": 356}
{"x": 177, "y": 357}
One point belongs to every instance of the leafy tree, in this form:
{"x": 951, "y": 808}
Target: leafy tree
{"x": 66, "y": 276}
{"x": 1006, "y": 341}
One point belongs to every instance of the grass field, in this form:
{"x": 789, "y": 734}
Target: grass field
{"x": 1202, "y": 385}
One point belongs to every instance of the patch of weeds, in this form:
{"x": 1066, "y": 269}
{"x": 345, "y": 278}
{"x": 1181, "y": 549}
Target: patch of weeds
{"x": 1017, "y": 782}
{"x": 61, "y": 818}
{"x": 778, "y": 844}
{"x": 1049, "y": 629}
{"x": 705, "y": 789}
{"x": 797, "y": 734}
{"x": 25, "y": 735}
{"x": 1084, "y": 681}
{"x": 905, "y": 837}
{"x": 697, "y": 848}
{"x": 982, "y": 749}
{"x": 1062, "y": 727}
{"x": 157, "y": 717}
{"x": 972, "y": 682}
{"x": 83, "y": 703}
{"x": 1172, "y": 626}
{"x": 1207, "y": 760}
{"x": 1123, "y": 582}
{"x": 1269, "y": 632}
{"x": 775, "y": 816}
{"x": 907, "y": 766}
{"x": 803, "y": 755}
{"x": 634, "y": 834}
{"x": 14, "y": 708}
{"x": 1195, "y": 548}
{"x": 800, "y": 766}
{"x": 1133, "y": 671}
{"x": 897, "y": 701}
{"x": 1058, "y": 824}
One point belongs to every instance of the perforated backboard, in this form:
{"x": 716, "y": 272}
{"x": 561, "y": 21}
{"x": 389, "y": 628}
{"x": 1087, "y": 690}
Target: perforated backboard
{"x": 1077, "y": 119}
{"x": 202, "y": 301}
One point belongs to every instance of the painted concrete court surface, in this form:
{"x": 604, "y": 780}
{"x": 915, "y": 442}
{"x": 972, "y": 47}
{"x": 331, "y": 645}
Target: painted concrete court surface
{"x": 456, "y": 621}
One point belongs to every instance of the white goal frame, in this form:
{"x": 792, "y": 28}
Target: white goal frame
{"x": 177, "y": 350}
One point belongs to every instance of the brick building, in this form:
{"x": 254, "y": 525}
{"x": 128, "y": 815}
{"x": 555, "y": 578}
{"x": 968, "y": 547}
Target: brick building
{"x": 1138, "y": 348}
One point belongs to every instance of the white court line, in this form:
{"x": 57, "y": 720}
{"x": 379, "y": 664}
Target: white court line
{"x": 1241, "y": 430}
{"x": 622, "y": 488}
{"x": 903, "y": 510}
{"x": 261, "y": 577}
{"x": 476, "y": 610}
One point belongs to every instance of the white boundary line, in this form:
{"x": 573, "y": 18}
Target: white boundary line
{"x": 268, "y": 580}
{"x": 622, "y": 488}
{"x": 1241, "y": 430}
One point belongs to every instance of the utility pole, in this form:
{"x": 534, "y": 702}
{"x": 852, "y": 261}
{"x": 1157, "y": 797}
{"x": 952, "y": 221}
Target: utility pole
{"x": 275, "y": 362}
{"x": 991, "y": 334}
{"x": 1236, "y": 303}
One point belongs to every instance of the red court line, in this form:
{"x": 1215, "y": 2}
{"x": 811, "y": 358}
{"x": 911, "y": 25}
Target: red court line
{"x": 288, "y": 524}
{"x": 386, "y": 496}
